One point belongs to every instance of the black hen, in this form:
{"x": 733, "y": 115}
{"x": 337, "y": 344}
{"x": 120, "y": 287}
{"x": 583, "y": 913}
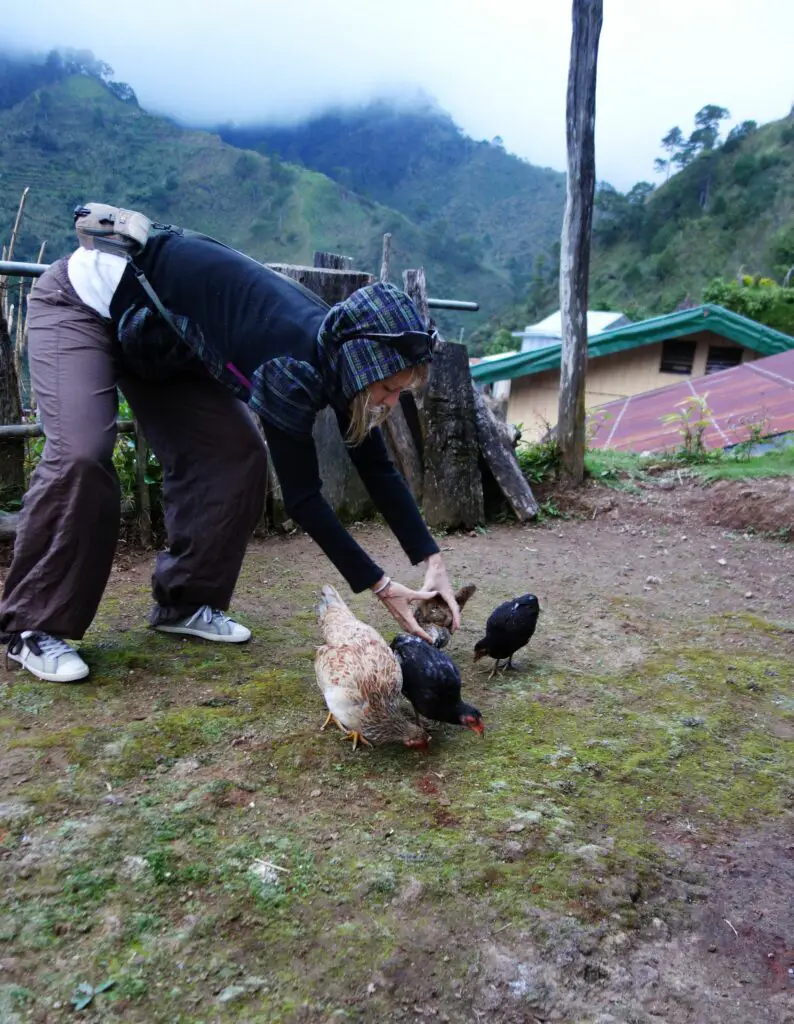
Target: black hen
{"x": 431, "y": 682}
{"x": 509, "y": 627}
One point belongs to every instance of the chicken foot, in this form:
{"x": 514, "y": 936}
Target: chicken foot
{"x": 507, "y": 667}
{"x": 331, "y": 719}
{"x": 357, "y": 737}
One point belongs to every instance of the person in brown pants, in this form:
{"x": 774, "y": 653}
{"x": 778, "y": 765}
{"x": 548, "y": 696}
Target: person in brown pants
{"x": 247, "y": 335}
{"x": 214, "y": 469}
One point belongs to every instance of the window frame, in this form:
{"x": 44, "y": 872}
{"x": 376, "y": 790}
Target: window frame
{"x": 733, "y": 349}
{"x": 670, "y": 359}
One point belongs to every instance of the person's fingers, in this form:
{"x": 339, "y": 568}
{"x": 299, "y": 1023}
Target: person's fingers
{"x": 420, "y": 595}
{"x": 413, "y": 627}
{"x": 455, "y": 609}
{"x": 401, "y": 612}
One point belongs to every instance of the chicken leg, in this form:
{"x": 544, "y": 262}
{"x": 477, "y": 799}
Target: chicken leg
{"x": 331, "y": 719}
{"x": 357, "y": 737}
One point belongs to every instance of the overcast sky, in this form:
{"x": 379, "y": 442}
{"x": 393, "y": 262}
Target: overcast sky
{"x": 498, "y": 66}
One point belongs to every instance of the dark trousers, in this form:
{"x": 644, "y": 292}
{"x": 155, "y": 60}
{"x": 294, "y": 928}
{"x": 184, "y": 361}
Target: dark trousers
{"x": 214, "y": 467}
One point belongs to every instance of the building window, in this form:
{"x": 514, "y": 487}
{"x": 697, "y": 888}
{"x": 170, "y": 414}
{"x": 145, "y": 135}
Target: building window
{"x": 678, "y": 356}
{"x": 722, "y": 358}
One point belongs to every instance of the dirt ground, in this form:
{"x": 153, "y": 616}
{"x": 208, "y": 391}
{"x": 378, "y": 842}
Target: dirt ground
{"x": 180, "y": 843}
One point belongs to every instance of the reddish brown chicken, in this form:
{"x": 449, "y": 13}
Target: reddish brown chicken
{"x": 435, "y": 617}
{"x": 360, "y": 679}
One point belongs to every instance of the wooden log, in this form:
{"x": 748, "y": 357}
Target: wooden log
{"x": 576, "y": 231}
{"x": 403, "y": 451}
{"x": 385, "y": 263}
{"x": 453, "y": 494}
{"x": 497, "y": 450}
{"x": 330, "y": 284}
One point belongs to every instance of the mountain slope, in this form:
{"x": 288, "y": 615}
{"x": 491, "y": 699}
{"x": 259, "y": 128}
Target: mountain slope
{"x": 74, "y": 140}
{"x": 475, "y": 202}
{"x": 730, "y": 210}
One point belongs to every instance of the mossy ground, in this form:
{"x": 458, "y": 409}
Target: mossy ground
{"x": 180, "y": 827}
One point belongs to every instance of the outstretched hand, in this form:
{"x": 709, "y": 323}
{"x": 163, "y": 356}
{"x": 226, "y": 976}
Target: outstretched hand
{"x": 436, "y": 578}
{"x": 398, "y": 599}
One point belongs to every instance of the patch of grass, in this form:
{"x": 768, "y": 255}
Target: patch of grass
{"x": 540, "y": 461}
{"x": 607, "y": 465}
{"x": 286, "y": 858}
{"x": 621, "y": 468}
{"x": 775, "y": 463}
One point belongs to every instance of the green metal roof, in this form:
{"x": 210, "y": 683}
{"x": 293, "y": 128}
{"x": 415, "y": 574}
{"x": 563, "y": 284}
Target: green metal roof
{"x": 736, "y": 328}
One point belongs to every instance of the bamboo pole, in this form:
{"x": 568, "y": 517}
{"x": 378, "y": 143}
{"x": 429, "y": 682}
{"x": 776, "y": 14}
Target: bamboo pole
{"x": 14, "y": 232}
{"x": 19, "y": 344}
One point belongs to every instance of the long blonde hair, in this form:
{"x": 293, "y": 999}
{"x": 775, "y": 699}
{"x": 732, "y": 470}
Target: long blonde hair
{"x": 364, "y": 416}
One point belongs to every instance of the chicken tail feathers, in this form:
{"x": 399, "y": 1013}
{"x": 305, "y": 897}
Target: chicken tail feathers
{"x": 464, "y": 594}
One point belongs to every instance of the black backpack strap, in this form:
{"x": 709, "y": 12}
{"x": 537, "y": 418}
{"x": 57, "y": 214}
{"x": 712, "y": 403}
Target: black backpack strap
{"x": 143, "y": 281}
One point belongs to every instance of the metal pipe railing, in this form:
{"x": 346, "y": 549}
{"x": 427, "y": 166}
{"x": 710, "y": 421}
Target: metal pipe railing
{"x": 11, "y": 268}
{"x": 35, "y": 430}
{"x": 466, "y": 307}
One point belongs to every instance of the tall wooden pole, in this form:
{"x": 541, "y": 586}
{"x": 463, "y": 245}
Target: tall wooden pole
{"x": 577, "y": 223}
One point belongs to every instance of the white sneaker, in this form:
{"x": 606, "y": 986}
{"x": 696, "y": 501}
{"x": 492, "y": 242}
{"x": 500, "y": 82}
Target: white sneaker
{"x": 47, "y": 657}
{"x": 209, "y": 624}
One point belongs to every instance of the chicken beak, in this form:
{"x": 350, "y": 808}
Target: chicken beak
{"x": 478, "y": 727}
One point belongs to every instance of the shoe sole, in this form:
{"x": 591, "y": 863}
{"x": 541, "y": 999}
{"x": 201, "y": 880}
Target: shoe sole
{"x": 49, "y": 677}
{"x": 213, "y": 637}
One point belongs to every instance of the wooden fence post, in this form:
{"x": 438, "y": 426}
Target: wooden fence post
{"x": 577, "y": 224}
{"x": 385, "y": 263}
{"x": 415, "y": 287}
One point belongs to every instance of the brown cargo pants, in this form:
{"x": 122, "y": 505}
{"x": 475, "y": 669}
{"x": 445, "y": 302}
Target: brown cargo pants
{"x": 214, "y": 468}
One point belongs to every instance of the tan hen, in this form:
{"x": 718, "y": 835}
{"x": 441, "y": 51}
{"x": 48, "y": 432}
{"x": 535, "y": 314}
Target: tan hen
{"x": 360, "y": 679}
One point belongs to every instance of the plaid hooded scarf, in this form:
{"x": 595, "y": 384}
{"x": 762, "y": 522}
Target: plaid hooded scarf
{"x": 372, "y": 335}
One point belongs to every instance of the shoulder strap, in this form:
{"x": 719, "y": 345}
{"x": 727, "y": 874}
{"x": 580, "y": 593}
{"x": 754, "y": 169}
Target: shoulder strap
{"x": 143, "y": 281}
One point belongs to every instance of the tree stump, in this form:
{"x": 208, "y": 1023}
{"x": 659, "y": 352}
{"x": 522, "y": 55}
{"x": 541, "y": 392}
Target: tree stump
{"x": 403, "y": 452}
{"x": 331, "y": 261}
{"x": 453, "y": 495}
{"x": 330, "y": 284}
{"x": 342, "y": 486}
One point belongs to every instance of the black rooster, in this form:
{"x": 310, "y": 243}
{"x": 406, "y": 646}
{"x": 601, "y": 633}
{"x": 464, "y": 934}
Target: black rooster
{"x": 431, "y": 682}
{"x": 509, "y": 627}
